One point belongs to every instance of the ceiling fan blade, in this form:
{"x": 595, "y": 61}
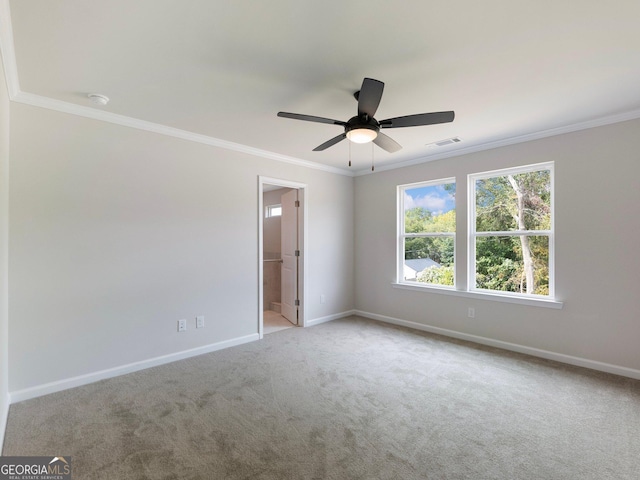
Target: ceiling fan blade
{"x": 386, "y": 143}
{"x": 369, "y": 96}
{"x": 330, "y": 143}
{"x": 311, "y": 118}
{"x": 418, "y": 120}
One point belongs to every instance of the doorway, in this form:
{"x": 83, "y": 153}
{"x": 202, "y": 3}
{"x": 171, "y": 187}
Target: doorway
{"x": 281, "y": 255}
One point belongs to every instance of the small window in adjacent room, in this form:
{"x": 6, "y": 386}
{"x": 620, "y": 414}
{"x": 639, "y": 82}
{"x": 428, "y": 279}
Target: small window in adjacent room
{"x": 273, "y": 211}
{"x": 511, "y": 231}
{"x": 427, "y": 233}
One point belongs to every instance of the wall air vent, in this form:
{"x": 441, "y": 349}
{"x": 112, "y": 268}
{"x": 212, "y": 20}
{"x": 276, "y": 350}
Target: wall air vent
{"x": 442, "y": 143}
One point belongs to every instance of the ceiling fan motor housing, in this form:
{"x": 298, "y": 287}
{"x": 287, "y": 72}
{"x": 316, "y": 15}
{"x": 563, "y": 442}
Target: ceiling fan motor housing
{"x": 361, "y": 129}
{"x": 364, "y": 121}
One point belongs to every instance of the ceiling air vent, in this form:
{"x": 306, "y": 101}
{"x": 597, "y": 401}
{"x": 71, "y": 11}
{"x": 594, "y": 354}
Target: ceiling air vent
{"x": 442, "y": 143}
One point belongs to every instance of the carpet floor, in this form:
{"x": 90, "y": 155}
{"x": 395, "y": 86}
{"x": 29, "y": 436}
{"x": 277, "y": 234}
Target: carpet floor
{"x": 349, "y": 399}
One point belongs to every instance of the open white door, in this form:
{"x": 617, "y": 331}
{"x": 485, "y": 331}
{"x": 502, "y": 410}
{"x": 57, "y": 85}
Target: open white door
{"x": 290, "y": 254}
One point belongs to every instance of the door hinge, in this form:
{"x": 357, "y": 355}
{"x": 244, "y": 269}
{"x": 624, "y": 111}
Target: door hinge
{"x": 297, "y": 204}
{"x": 297, "y": 254}
{"x": 297, "y": 303}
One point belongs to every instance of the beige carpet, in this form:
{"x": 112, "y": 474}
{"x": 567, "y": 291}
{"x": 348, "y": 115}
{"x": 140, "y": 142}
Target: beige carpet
{"x": 349, "y": 399}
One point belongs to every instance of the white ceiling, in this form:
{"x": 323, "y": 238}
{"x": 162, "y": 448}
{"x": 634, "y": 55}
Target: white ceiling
{"x": 510, "y": 69}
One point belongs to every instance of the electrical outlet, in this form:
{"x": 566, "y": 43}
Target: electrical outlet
{"x": 472, "y": 312}
{"x": 200, "y": 321}
{"x": 182, "y": 325}
{"x": 323, "y": 299}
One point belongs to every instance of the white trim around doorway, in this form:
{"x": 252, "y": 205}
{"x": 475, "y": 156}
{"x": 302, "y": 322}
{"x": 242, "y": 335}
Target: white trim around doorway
{"x": 302, "y": 232}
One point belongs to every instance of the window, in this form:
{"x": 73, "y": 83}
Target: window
{"x": 511, "y": 231}
{"x": 508, "y": 236}
{"x": 273, "y": 211}
{"x": 427, "y": 232}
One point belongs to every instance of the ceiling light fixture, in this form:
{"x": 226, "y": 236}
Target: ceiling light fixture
{"x": 98, "y": 99}
{"x": 364, "y": 128}
{"x": 362, "y": 135}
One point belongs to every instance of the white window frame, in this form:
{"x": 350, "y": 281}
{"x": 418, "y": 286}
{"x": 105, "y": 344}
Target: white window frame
{"x": 473, "y": 235}
{"x": 269, "y": 209}
{"x": 401, "y": 235}
{"x": 464, "y": 274}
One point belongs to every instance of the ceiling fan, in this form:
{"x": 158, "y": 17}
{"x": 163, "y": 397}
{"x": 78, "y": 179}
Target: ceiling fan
{"x": 364, "y": 127}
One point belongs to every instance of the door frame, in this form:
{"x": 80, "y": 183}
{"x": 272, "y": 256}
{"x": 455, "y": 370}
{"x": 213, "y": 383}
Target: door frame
{"x": 302, "y": 245}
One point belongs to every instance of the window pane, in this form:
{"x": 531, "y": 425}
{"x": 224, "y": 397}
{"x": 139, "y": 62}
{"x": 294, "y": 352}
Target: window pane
{"x": 430, "y": 209}
{"x": 429, "y": 260}
{"x": 501, "y": 264}
{"x": 274, "y": 211}
{"x": 514, "y": 202}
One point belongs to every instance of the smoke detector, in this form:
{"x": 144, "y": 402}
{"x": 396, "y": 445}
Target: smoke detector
{"x": 98, "y": 99}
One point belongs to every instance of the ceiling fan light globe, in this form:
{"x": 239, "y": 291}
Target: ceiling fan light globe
{"x": 362, "y": 135}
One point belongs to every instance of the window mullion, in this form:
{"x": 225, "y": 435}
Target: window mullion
{"x": 428, "y": 234}
{"x": 513, "y": 233}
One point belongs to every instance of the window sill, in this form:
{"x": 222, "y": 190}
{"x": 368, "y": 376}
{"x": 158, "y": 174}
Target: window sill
{"x": 533, "y": 302}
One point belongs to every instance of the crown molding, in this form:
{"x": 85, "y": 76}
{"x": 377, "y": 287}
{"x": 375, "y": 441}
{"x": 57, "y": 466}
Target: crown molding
{"x": 575, "y": 127}
{"x": 7, "y": 50}
{"x": 101, "y": 115}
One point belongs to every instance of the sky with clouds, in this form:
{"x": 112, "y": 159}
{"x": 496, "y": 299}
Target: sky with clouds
{"x": 434, "y": 198}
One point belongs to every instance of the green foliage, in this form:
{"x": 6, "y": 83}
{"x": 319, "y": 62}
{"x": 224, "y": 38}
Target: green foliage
{"x": 421, "y": 220}
{"x": 415, "y": 219}
{"x": 506, "y": 203}
{"x": 438, "y": 249}
{"x": 437, "y": 275}
{"x": 503, "y": 263}
{"x": 498, "y": 264}
{"x": 494, "y": 208}
{"x": 445, "y": 222}
{"x": 497, "y": 207}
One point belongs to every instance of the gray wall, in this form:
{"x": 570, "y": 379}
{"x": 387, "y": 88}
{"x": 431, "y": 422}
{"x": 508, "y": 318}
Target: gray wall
{"x": 117, "y": 233}
{"x": 597, "y": 262}
{"x": 4, "y": 246}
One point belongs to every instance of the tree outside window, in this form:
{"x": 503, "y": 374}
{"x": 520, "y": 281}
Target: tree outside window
{"x": 511, "y": 230}
{"x": 509, "y": 235}
{"x": 427, "y": 232}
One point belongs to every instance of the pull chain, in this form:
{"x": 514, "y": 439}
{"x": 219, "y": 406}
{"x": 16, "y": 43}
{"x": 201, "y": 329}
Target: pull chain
{"x": 372, "y": 167}
{"x": 349, "y": 153}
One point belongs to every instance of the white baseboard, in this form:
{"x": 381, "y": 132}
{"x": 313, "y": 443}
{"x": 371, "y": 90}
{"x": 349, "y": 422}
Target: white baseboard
{"x": 47, "y": 388}
{"x": 329, "y": 318}
{"x": 4, "y": 416}
{"x": 514, "y": 347}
